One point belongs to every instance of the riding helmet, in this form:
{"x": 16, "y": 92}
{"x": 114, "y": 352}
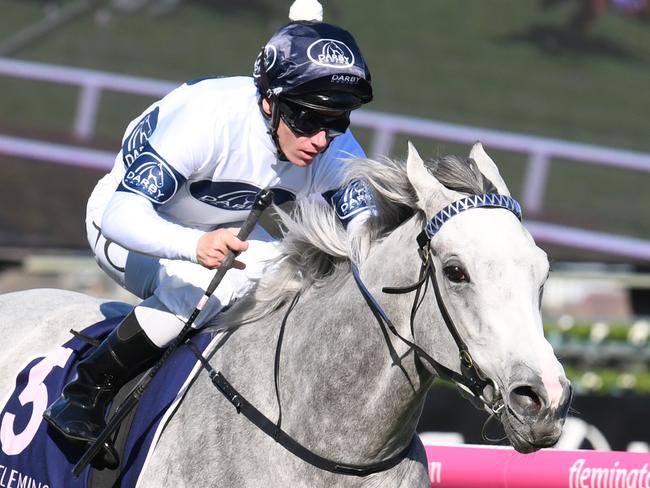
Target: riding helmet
{"x": 315, "y": 64}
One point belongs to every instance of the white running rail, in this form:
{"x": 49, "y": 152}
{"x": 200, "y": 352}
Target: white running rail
{"x": 385, "y": 128}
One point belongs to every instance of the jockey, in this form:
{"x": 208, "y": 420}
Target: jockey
{"x": 187, "y": 174}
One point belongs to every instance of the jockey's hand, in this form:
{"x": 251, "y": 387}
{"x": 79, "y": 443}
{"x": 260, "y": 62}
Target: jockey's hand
{"x": 214, "y": 246}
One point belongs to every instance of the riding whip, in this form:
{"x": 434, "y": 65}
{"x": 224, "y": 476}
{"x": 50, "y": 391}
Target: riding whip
{"x": 262, "y": 200}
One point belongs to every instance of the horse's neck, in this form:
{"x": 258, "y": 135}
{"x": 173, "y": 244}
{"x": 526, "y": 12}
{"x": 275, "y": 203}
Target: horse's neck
{"x": 350, "y": 389}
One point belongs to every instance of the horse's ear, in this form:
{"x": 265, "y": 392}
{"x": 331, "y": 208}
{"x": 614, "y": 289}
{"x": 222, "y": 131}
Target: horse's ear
{"x": 432, "y": 195}
{"x": 488, "y": 168}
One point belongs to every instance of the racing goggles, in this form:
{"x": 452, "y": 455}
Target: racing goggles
{"x": 306, "y": 121}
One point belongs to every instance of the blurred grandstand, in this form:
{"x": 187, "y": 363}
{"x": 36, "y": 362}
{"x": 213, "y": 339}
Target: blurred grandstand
{"x": 567, "y": 127}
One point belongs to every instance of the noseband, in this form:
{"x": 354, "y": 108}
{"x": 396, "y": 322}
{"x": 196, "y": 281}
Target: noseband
{"x": 471, "y": 378}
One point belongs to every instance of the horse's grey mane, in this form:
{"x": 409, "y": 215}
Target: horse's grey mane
{"x": 316, "y": 249}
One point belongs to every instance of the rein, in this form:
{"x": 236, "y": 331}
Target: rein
{"x": 274, "y": 429}
{"x": 470, "y": 379}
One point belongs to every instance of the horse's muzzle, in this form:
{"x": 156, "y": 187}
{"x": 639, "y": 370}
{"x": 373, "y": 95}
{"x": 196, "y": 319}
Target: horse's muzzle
{"x": 530, "y": 419}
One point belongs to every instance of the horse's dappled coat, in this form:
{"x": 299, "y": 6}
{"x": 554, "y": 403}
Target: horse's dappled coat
{"x": 347, "y": 391}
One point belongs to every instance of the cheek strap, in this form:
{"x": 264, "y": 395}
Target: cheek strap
{"x": 272, "y": 122}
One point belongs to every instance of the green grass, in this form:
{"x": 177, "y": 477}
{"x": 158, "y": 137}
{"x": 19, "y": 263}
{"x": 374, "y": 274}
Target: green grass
{"x": 462, "y": 62}
{"x": 600, "y": 198}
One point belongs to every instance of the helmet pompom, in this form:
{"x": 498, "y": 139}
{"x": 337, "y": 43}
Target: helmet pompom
{"x": 308, "y": 10}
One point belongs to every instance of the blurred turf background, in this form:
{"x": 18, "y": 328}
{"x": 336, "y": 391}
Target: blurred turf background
{"x": 500, "y": 64}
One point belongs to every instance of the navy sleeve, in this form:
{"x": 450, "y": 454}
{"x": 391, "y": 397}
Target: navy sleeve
{"x": 350, "y": 201}
{"x": 150, "y": 176}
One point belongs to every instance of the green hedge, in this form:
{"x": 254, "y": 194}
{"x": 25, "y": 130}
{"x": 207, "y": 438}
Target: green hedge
{"x": 603, "y": 358}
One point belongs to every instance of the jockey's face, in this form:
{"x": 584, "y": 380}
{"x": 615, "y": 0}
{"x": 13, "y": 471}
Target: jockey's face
{"x": 299, "y": 149}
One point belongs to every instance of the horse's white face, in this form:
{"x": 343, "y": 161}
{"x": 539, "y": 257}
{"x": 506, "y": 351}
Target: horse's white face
{"x": 491, "y": 275}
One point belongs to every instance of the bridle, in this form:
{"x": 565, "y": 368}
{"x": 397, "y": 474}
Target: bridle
{"x": 470, "y": 378}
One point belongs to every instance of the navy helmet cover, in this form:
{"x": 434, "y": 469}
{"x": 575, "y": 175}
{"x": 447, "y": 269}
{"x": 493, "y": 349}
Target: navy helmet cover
{"x": 316, "y": 64}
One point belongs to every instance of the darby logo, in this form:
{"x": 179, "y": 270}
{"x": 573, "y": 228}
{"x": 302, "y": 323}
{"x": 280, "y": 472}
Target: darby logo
{"x": 137, "y": 139}
{"x": 331, "y": 53}
{"x": 236, "y": 200}
{"x": 346, "y": 79}
{"x": 270, "y": 55}
{"x": 151, "y": 178}
{"x": 355, "y": 199}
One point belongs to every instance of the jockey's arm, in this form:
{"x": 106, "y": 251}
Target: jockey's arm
{"x": 352, "y": 201}
{"x": 132, "y": 221}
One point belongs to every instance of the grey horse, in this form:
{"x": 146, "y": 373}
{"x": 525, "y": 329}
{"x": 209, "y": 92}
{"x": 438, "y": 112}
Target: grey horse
{"x": 351, "y": 390}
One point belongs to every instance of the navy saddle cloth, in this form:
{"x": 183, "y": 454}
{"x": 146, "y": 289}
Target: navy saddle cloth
{"x": 32, "y": 456}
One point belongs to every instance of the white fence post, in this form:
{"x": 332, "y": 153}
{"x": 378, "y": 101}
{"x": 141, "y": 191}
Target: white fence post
{"x": 535, "y": 180}
{"x": 87, "y": 107}
{"x": 382, "y": 143}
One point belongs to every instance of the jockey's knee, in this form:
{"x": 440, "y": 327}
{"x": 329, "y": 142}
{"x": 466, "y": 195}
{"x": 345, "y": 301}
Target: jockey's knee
{"x": 180, "y": 285}
{"x": 160, "y": 324}
{"x": 183, "y": 286}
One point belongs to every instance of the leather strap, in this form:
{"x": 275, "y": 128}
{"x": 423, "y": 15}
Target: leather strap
{"x": 273, "y": 430}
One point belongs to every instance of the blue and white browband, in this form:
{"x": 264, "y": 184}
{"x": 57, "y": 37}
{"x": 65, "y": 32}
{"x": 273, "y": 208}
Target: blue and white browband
{"x": 493, "y": 200}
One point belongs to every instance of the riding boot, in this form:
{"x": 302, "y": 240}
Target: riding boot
{"x": 78, "y": 414}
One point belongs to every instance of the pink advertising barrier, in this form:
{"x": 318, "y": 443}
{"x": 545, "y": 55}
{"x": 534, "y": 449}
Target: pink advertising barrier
{"x": 502, "y": 467}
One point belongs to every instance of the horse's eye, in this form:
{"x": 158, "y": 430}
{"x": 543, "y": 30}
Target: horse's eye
{"x": 456, "y": 274}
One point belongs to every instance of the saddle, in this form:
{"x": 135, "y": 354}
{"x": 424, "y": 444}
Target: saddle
{"x": 32, "y": 454}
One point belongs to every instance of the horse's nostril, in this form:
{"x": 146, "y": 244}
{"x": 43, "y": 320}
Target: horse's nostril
{"x": 567, "y": 398}
{"x": 525, "y": 401}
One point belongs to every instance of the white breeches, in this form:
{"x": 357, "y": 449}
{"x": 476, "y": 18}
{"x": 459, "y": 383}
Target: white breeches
{"x": 171, "y": 289}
